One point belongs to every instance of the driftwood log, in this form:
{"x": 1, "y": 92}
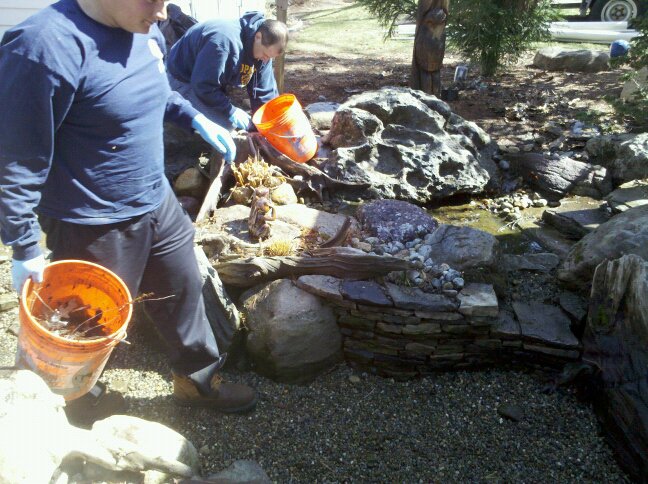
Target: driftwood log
{"x": 339, "y": 262}
{"x": 616, "y": 345}
{"x": 311, "y": 178}
{"x": 218, "y": 170}
{"x": 429, "y": 45}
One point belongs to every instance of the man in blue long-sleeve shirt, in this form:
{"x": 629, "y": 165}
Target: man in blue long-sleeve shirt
{"x": 214, "y": 55}
{"x": 84, "y": 93}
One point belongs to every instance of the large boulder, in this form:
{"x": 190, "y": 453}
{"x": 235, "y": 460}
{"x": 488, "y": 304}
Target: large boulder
{"x": 409, "y": 146}
{"x": 38, "y": 442}
{"x": 626, "y": 233}
{"x": 616, "y": 342}
{"x": 624, "y": 155}
{"x": 293, "y": 335}
{"x": 581, "y": 60}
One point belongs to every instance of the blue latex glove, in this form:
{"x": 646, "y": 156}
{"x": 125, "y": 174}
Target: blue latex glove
{"x": 240, "y": 119}
{"x": 21, "y": 270}
{"x": 215, "y": 135}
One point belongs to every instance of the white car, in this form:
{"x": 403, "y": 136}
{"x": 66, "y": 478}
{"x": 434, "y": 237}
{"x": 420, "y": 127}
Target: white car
{"x": 607, "y": 10}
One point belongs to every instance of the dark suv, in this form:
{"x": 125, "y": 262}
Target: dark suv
{"x": 607, "y": 10}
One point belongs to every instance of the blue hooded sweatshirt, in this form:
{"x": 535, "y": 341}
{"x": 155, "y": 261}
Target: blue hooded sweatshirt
{"x": 81, "y": 136}
{"x": 215, "y": 54}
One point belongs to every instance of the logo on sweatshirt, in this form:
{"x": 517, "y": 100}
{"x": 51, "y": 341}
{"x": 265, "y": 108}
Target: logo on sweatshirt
{"x": 246, "y": 74}
{"x": 157, "y": 53}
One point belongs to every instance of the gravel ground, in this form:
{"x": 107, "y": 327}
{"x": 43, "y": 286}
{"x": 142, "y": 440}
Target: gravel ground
{"x": 348, "y": 426}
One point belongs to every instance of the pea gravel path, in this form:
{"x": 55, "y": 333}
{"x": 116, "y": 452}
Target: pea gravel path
{"x": 354, "y": 427}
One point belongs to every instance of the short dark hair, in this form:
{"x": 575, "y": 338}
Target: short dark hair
{"x": 274, "y": 32}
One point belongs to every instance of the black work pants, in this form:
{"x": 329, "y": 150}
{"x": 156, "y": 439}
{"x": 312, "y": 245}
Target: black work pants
{"x": 152, "y": 253}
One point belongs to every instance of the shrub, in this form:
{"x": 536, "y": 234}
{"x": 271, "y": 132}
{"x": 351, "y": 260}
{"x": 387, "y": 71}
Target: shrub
{"x": 490, "y": 33}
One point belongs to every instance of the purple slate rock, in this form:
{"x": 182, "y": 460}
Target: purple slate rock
{"x": 395, "y": 221}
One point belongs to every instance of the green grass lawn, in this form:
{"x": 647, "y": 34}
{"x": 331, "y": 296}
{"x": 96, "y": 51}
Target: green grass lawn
{"x": 347, "y": 30}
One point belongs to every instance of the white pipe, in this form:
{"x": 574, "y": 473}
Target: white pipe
{"x": 616, "y": 26}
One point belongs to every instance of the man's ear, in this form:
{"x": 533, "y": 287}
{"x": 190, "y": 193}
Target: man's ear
{"x": 258, "y": 37}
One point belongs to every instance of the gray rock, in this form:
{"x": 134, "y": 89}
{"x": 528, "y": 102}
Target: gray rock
{"x": 574, "y": 305}
{"x": 624, "y": 155}
{"x": 633, "y": 86}
{"x": 463, "y": 247}
{"x": 545, "y": 324}
{"x": 511, "y": 411}
{"x": 327, "y": 287}
{"x": 626, "y": 233}
{"x": 415, "y": 298}
{"x": 241, "y": 472}
{"x": 321, "y": 114}
{"x": 478, "y": 300}
{"x": 505, "y": 326}
{"x": 556, "y": 178}
{"x": 541, "y": 262}
{"x": 407, "y": 145}
{"x": 395, "y": 221}
{"x": 628, "y": 195}
{"x": 576, "y": 217}
{"x": 293, "y": 335}
{"x": 582, "y": 60}
{"x": 365, "y": 292}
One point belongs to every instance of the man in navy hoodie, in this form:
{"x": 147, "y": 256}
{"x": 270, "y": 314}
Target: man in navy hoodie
{"x": 216, "y": 54}
{"x": 84, "y": 94}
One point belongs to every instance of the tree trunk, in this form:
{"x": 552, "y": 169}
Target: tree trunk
{"x": 282, "y": 16}
{"x": 429, "y": 45}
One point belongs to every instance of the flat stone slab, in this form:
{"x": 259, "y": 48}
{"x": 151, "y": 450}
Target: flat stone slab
{"x": 478, "y": 300}
{"x": 506, "y": 326}
{"x": 629, "y": 195}
{"x": 576, "y": 217}
{"x": 415, "y": 298}
{"x": 545, "y": 324}
{"x": 543, "y": 262}
{"x": 365, "y": 292}
{"x": 327, "y": 287}
{"x": 574, "y": 305}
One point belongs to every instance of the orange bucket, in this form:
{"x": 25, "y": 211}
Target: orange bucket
{"x": 71, "y": 361}
{"x": 287, "y": 128}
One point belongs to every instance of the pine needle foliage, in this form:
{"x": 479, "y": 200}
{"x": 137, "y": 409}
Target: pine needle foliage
{"x": 496, "y": 32}
{"x": 389, "y": 11}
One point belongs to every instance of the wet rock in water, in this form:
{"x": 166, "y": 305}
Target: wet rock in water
{"x": 624, "y": 155}
{"x": 626, "y": 233}
{"x": 395, "y": 221}
{"x": 576, "y": 217}
{"x": 628, "y": 195}
{"x": 409, "y": 146}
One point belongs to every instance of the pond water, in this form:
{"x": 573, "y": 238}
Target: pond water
{"x": 512, "y": 240}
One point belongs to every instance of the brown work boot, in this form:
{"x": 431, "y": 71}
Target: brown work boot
{"x": 224, "y": 397}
